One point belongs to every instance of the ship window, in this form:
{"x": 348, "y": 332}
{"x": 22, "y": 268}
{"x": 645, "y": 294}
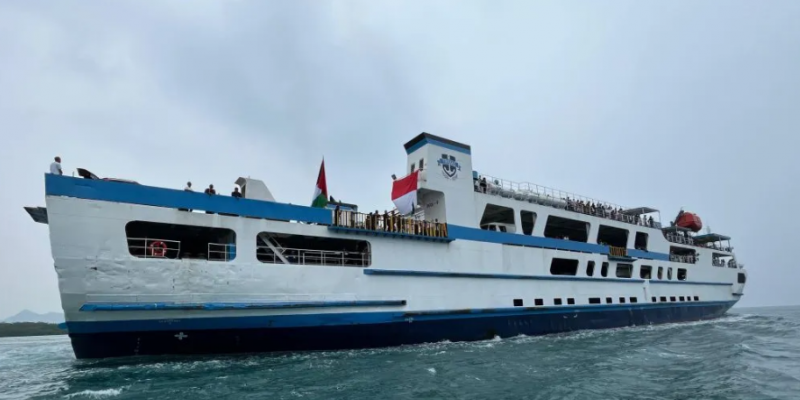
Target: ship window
{"x": 608, "y": 300}
{"x": 570, "y": 301}
{"x": 645, "y": 271}
{"x": 594, "y": 300}
{"x": 653, "y": 299}
{"x": 538, "y": 302}
{"x": 563, "y": 266}
{"x": 682, "y": 298}
{"x": 641, "y": 241}
{"x": 421, "y": 164}
{"x": 681, "y": 274}
{"x": 621, "y": 300}
{"x": 172, "y": 241}
{"x": 671, "y": 298}
{"x": 312, "y": 250}
{"x": 663, "y": 298}
{"x": 494, "y": 214}
{"x": 660, "y": 272}
{"x": 517, "y": 302}
{"x": 696, "y": 298}
{"x": 568, "y": 229}
{"x": 557, "y": 302}
{"x": 527, "y": 219}
{"x": 611, "y": 236}
{"x": 413, "y": 167}
{"x": 624, "y": 270}
{"x": 669, "y": 273}
{"x": 604, "y": 270}
{"x": 590, "y": 268}
{"x": 634, "y": 300}
{"x": 742, "y": 278}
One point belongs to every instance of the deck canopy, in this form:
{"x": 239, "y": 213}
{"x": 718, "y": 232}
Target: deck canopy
{"x": 710, "y": 238}
{"x": 639, "y": 211}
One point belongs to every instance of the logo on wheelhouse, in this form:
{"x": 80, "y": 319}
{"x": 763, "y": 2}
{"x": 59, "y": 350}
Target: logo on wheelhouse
{"x": 450, "y": 166}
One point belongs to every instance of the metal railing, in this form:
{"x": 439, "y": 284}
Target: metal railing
{"x": 679, "y": 239}
{"x": 683, "y": 259}
{"x": 718, "y": 262}
{"x": 314, "y": 257}
{"x": 543, "y": 195}
{"x": 154, "y": 248}
{"x": 389, "y": 223}
{"x": 221, "y": 252}
{"x": 618, "y": 251}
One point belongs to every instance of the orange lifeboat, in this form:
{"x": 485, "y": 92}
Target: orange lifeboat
{"x": 690, "y": 221}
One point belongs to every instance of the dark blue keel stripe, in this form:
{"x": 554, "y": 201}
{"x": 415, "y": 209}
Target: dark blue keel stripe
{"x": 170, "y": 322}
{"x": 236, "y": 306}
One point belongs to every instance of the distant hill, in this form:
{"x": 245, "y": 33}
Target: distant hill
{"x": 30, "y": 316}
{"x": 29, "y": 329}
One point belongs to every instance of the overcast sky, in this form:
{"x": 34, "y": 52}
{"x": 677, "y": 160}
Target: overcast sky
{"x": 658, "y": 103}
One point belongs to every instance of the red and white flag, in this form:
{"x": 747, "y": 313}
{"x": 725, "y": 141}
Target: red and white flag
{"x": 404, "y": 193}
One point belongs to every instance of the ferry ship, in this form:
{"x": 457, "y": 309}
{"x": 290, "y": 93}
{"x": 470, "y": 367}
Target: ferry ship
{"x": 145, "y": 270}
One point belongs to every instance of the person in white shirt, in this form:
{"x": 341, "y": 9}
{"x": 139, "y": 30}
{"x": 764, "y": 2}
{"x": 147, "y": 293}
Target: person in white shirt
{"x": 188, "y": 187}
{"x": 55, "y": 167}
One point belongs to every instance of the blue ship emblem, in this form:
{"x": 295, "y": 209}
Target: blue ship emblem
{"x": 450, "y": 166}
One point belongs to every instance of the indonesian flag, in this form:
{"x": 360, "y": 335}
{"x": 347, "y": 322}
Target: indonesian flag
{"x": 404, "y": 193}
{"x": 321, "y": 190}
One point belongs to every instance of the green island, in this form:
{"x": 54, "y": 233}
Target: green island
{"x": 29, "y": 329}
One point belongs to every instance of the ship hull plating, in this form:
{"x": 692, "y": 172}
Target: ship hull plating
{"x": 398, "y": 329}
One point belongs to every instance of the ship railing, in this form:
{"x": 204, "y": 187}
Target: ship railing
{"x": 679, "y": 239}
{"x": 728, "y": 249}
{"x": 543, "y": 195}
{"x": 221, "y": 251}
{"x": 618, "y": 251}
{"x": 314, "y": 257}
{"x": 154, "y": 248}
{"x": 717, "y": 262}
{"x": 683, "y": 259}
{"x": 389, "y": 223}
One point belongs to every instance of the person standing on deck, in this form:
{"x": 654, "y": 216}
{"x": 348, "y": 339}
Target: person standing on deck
{"x": 236, "y": 193}
{"x": 55, "y": 167}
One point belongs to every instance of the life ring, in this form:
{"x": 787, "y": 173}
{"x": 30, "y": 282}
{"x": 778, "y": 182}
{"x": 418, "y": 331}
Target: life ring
{"x": 158, "y": 249}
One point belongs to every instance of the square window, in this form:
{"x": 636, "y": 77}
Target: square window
{"x": 517, "y": 302}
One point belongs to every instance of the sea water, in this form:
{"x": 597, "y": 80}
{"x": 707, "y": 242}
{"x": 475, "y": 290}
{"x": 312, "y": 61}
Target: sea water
{"x": 747, "y": 354}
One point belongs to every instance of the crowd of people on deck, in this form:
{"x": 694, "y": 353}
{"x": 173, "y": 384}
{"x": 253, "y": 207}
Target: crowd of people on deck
{"x": 388, "y": 222}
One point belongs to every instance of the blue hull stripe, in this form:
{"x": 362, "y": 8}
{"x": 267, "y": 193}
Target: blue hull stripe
{"x": 477, "y": 275}
{"x": 90, "y": 189}
{"x": 329, "y": 319}
{"x": 236, "y": 306}
{"x": 365, "y": 330}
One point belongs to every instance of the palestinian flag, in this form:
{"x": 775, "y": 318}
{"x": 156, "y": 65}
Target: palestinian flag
{"x": 404, "y": 193}
{"x": 321, "y": 190}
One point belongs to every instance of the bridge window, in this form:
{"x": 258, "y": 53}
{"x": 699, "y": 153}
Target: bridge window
{"x": 527, "y": 219}
{"x": 590, "y": 268}
{"x": 641, "y": 241}
{"x": 742, "y": 278}
{"x": 498, "y": 218}
{"x": 660, "y": 272}
{"x": 645, "y": 271}
{"x": 173, "y": 241}
{"x": 568, "y": 229}
{"x": 624, "y": 270}
{"x": 421, "y": 164}
{"x": 413, "y": 166}
{"x": 682, "y": 254}
{"x": 563, "y": 266}
{"x": 610, "y": 236}
{"x": 604, "y": 270}
{"x": 282, "y": 248}
{"x": 681, "y": 274}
